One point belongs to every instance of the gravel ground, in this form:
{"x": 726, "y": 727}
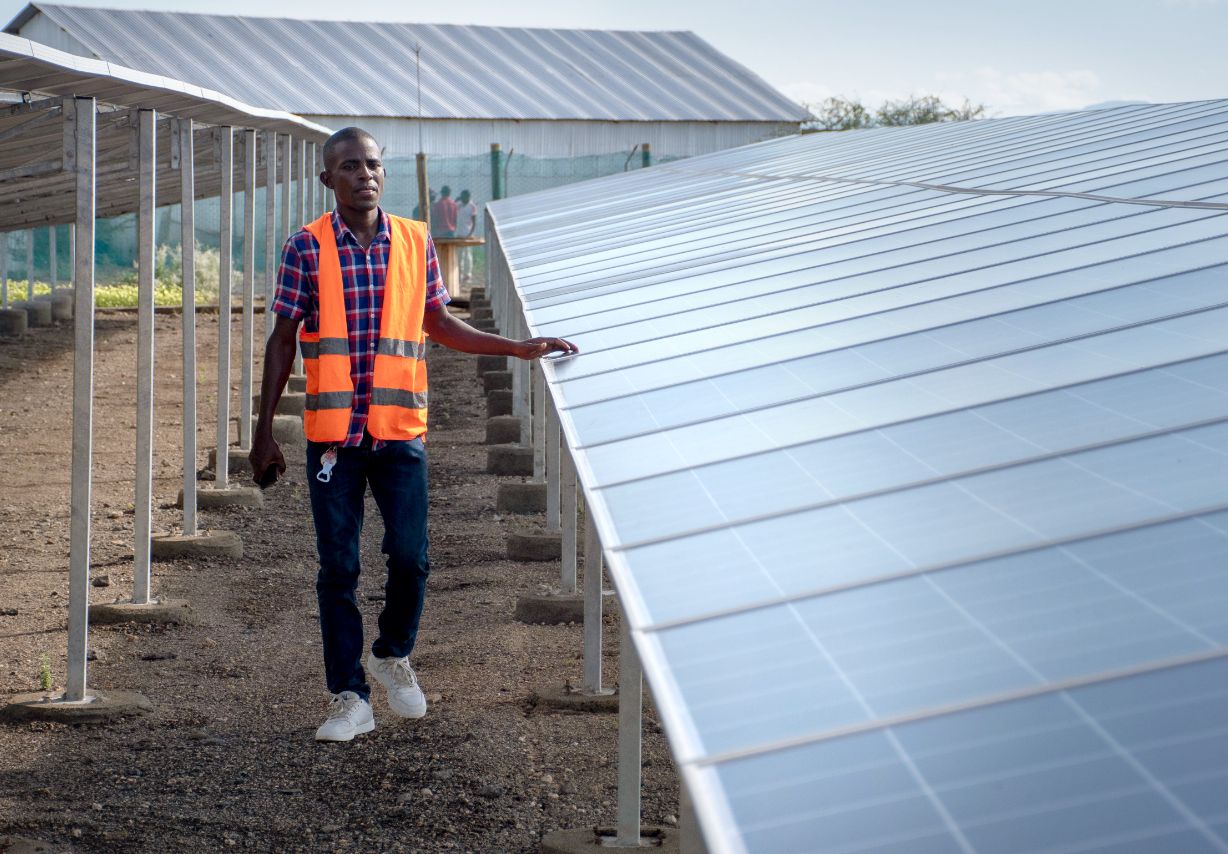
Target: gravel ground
{"x": 226, "y": 759}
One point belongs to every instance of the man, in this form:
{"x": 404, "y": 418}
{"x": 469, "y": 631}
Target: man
{"x": 366, "y": 287}
{"x": 443, "y": 214}
{"x": 466, "y": 225}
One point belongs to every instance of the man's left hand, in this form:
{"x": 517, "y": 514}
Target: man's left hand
{"x": 535, "y": 348}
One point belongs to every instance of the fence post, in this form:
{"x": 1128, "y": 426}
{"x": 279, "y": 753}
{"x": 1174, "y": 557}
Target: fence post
{"x": 147, "y": 154}
{"x": 496, "y": 171}
{"x": 424, "y": 192}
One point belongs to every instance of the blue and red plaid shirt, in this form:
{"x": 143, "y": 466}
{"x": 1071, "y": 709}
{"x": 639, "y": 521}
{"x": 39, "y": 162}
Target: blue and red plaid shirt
{"x": 363, "y": 272}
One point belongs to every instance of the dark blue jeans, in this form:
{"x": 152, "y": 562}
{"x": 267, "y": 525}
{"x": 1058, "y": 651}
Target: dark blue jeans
{"x": 397, "y": 476}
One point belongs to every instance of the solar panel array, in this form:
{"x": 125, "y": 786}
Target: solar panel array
{"x": 909, "y": 451}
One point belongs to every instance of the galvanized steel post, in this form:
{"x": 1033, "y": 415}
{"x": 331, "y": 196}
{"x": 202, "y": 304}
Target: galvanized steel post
{"x": 81, "y": 128}
{"x": 592, "y": 605}
{"x": 247, "y": 333}
{"x": 538, "y": 401}
{"x": 147, "y": 129}
{"x": 311, "y": 183}
{"x": 554, "y": 483}
{"x": 226, "y": 168}
{"x": 270, "y": 227}
{"x": 4, "y": 270}
{"x": 187, "y": 183}
{"x": 630, "y": 717}
{"x": 570, "y": 521}
{"x": 301, "y": 174}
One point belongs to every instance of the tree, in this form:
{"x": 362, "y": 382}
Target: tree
{"x": 849, "y": 114}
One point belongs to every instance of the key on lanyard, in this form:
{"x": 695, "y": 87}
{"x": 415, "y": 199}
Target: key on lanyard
{"x": 327, "y": 461}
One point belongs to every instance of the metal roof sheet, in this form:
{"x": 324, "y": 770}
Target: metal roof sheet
{"x": 908, "y": 450}
{"x": 35, "y": 186}
{"x": 468, "y": 72}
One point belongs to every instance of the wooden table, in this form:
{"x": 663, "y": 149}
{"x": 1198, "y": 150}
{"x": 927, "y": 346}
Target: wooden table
{"x": 448, "y": 251}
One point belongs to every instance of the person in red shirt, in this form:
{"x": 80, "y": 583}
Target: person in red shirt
{"x": 443, "y": 214}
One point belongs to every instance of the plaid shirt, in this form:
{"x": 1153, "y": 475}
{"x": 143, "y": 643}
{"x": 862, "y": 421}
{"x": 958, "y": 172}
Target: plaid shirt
{"x": 362, "y": 276}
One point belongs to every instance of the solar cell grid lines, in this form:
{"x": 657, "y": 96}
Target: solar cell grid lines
{"x": 909, "y": 453}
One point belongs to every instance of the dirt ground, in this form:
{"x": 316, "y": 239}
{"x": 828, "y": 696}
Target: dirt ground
{"x": 226, "y": 759}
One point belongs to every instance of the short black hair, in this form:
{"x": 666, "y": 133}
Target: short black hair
{"x": 344, "y": 135}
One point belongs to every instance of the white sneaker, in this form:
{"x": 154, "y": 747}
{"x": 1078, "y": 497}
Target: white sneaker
{"x": 404, "y": 696}
{"x": 348, "y": 715}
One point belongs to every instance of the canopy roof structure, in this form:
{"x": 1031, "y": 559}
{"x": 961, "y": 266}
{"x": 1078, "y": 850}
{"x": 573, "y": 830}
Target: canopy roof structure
{"x": 36, "y": 181}
{"x": 468, "y": 72}
{"x": 908, "y": 451}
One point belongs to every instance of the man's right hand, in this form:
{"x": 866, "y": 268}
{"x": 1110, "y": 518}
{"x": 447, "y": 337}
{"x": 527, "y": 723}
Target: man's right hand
{"x": 265, "y": 454}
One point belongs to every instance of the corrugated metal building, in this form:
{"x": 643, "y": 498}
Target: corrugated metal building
{"x": 542, "y": 92}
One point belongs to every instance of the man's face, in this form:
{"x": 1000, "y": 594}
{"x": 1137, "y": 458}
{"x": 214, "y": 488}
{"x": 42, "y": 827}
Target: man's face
{"x": 356, "y": 174}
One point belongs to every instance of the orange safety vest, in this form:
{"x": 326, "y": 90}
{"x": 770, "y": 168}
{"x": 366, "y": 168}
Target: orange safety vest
{"x": 398, "y": 392}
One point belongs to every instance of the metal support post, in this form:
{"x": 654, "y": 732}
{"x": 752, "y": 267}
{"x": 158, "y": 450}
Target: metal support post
{"x": 30, "y": 264}
{"x": 82, "y": 130}
{"x": 592, "y": 606}
{"x": 187, "y": 177}
{"x": 554, "y": 484}
{"x": 570, "y": 521}
{"x": 538, "y": 401}
{"x": 52, "y": 259}
{"x": 148, "y": 175}
{"x": 290, "y": 173}
{"x": 4, "y": 270}
{"x": 301, "y": 178}
{"x": 690, "y": 837}
{"x": 226, "y": 169}
{"x": 311, "y": 183}
{"x": 630, "y": 717}
{"x": 247, "y": 332}
{"x": 424, "y": 193}
{"x": 287, "y": 181}
{"x": 270, "y": 228}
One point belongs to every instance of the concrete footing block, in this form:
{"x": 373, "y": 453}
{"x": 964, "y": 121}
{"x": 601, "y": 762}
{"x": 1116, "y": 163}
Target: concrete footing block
{"x": 236, "y": 458}
{"x": 491, "y": 363}
{"x": 494, "y": 380}
{"x": 567, "y": 698}
{"x": 499, "y": 402}
{"x": 286, "y": 428}
{"x": 100, "y": 707}
{"x": 38, "y": 312}
{"x": 503, "y": 430}
{"x": 290, "y": 403}
{"x": 550, "y": 609}
{"x": 477, "y": 293}
{"x": 591, "y": 840}
{"x": 13, "y": 322}
{"x": 520, "y": 497}
{"x": 509, "y": 460}
{"x": 298, "y": 384}
{"x": 175, "y": 612}
{"x": 61, "y": 308}
{"x": 231, "y": 496}
{"x": 540, "y": 546}
{"x": 215, "y": 544}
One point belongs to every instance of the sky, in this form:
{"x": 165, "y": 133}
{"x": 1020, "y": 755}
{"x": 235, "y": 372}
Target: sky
{"x": 1013, "y": 56}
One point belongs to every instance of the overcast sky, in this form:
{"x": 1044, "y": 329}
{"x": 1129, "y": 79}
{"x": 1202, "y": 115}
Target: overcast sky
{"x": 1015, "y": 56}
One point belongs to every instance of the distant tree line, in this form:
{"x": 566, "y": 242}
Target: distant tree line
{"x": 850, "y": 114}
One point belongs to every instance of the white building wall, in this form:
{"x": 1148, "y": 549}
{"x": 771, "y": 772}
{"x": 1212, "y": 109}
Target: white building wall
{"x": 457, "y": 138}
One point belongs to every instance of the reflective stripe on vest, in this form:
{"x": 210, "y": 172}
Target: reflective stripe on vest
{"x": 399, "y": 387}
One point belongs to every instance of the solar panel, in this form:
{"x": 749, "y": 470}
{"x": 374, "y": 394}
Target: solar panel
{"x": 909, "y": 453}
